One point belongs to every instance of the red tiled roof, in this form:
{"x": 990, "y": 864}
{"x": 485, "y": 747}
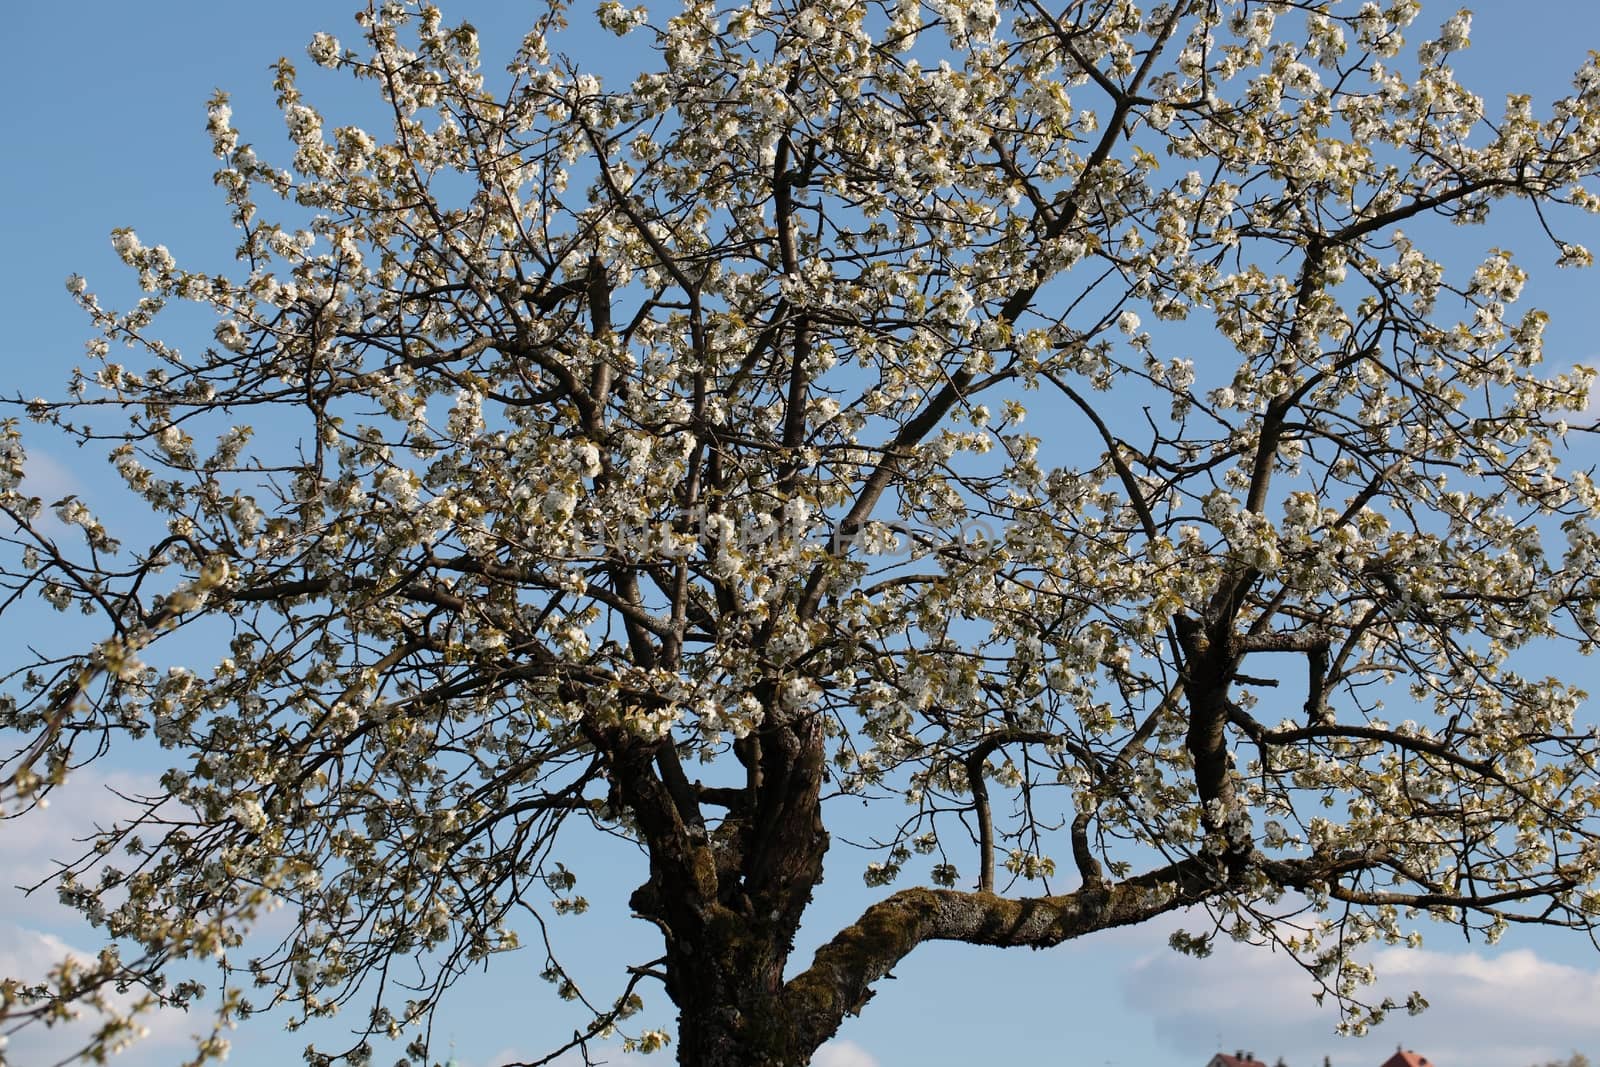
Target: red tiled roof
{"x": 1407, "y": 1058}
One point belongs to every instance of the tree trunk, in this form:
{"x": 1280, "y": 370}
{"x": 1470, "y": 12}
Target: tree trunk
{"x": 730, "y": 1000}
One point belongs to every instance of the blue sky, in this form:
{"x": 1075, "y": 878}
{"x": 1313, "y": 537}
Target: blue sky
{"x": 106, "y": 129}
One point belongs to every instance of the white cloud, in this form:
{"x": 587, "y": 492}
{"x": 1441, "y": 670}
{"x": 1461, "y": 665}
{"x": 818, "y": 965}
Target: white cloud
{"x": 843, "y": 1054}
{"x": 38, "y": 932}
{"x": 29, "y": 955}
{"x": 1505, "y": 1009}
{"x": 49, "y": 479}
{"x": 1512, "y": 1007}
{"x": 40, "y": 839}
{"x": 1593, "y": 407}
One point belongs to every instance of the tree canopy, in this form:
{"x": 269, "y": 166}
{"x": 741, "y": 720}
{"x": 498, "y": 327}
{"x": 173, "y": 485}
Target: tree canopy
{"x": 652, "y": 457}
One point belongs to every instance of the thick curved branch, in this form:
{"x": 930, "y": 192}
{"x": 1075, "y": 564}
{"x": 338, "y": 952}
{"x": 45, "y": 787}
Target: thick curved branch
{"x": 841, "y": 975}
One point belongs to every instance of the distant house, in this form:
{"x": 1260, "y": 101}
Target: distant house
{"x": 1401, "y": 1058}
{"x": 1407, "y": 1058}
{"x": 1238, "y": 1059}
